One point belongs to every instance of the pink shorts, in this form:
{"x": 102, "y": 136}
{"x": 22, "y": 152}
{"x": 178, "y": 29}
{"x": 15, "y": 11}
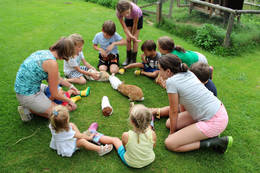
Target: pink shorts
{"x": 217, "y": 124}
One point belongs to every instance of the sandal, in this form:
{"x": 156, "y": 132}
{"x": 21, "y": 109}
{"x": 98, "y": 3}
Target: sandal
{"x": 104, "y": 149}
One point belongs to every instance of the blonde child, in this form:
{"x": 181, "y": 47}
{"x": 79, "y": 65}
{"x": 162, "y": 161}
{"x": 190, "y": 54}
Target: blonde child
{"x": 66, "y": 137}
{"x": 132, "y": 25}
{"x": 149, "y": 65}
{"x": 72, "y": 69}
{"x": 136, "y": 147}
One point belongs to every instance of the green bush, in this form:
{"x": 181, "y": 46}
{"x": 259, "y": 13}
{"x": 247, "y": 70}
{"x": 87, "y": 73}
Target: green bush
{"x": 106, "y": 3}
{"x": 209, "y": 37}
{"x": 184, "y": 30}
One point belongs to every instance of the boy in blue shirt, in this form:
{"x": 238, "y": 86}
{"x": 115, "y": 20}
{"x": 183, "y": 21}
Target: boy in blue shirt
{"x": 150, "y": 58}
{"x": 108, "y": 40}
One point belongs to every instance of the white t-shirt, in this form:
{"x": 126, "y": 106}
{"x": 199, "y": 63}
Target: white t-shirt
{"x": 69, "y": 65}
{"x": 64, "y": 142}
{"x": 193, "y": 95}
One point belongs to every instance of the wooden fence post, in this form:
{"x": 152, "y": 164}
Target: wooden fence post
{"x": 170, "y": 9}
{"x": 229, "y": 30}
{"x": 159, "y": 11}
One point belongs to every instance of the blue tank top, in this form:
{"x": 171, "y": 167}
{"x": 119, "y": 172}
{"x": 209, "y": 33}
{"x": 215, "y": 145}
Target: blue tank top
{"x": 30, "y": 74}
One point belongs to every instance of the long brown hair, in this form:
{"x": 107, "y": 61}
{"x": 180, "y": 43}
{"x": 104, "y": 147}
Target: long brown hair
{"x": 166, "y": 43}
{"x": 123, "y": 5}
{"x": 64, "y": 47}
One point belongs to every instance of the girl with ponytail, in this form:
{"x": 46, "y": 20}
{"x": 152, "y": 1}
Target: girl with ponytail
{"x": 166, "y": 45}
{"x": 205, "y": 116}
{"x": 136, "y": 147}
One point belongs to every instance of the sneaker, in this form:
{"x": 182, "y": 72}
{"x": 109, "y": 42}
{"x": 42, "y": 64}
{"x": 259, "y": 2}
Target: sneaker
{"x": 121, "y": 71}
{"x": 93, "y": 127}
{"x": 24, "y": 114}
{"x": 137, "y": 72}
{"x": 224, "y": 144}
{"x": 105, "y": 149}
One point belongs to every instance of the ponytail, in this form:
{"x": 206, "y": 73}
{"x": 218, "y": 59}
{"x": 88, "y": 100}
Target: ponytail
{"x": 179, "y": 49}
{"x": 172, "y": 62}
{"x": 167, "y": 44}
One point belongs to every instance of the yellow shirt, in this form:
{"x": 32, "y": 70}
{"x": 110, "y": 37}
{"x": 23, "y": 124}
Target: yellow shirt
{"x": 139, "y": 154}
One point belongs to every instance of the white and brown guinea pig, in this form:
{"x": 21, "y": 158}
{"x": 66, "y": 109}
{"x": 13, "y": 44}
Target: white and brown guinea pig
{"x": 106, "y": 107}
{"x": 103, "y": 76}
{"x": 132, "y": 91}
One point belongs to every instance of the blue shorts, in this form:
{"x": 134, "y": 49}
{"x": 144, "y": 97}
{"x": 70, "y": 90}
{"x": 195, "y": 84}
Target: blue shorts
{"x": 149, "y": 69}
{"x": 48, "y": 94}
{"x": 121, "y": 153}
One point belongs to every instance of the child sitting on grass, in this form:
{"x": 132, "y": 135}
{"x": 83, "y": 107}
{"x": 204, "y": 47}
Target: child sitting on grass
{"x": 149, "y": 63}
{"x": 72, "y": 69}
{"x": 66, "y": 137}
{"x": 136, "y": 147}
{"x": 202, "y": 71}
{"x": 108, "y": 40}
{"x": 77, "y": 95}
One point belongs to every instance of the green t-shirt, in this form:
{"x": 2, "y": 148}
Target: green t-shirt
{"x": 189, "y": 57}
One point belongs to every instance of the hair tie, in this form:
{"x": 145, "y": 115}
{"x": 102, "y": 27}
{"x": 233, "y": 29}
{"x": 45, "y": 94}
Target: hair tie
{"x": 55, "y": 113}
{"x": 181, "y": 65}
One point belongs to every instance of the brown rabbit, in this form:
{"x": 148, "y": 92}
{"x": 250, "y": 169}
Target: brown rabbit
{"x": 133, "y": 92}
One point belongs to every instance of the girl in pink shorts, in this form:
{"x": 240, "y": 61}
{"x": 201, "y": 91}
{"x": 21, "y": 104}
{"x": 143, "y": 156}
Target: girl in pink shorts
{"x": 204, "y": 118}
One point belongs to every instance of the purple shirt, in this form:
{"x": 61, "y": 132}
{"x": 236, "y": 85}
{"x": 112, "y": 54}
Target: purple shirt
{"x": 136, "y": 12}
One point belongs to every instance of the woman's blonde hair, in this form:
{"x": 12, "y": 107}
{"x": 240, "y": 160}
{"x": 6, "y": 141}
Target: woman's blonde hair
{"x": 59, "y": 119}
{"x": 76, "y": 38}
{"x": 141, "y": 118}
{"x": 64, "y": 47}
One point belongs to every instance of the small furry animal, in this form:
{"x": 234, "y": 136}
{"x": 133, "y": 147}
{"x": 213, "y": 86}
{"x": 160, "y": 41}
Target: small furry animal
{"x": 106, "y": 107}
{"x": 103, "y": 76}
{"x": 107, "y": 111}
{"x": 132, "y": 91}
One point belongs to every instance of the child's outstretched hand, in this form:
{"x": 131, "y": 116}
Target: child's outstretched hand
{"x": 95, "y": 75}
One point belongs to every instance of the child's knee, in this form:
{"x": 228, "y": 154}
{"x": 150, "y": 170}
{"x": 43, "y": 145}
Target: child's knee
{"x": 102, "y": 68}
{"x": 82, "y": 80}
{"x": 114, "y": 68}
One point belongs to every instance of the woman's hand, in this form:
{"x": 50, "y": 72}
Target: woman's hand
{"x": 72, "y": 105}
{"x": 74, "y": 89}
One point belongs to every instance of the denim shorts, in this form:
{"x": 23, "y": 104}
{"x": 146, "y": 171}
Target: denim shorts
{"x": 121, "y": 153}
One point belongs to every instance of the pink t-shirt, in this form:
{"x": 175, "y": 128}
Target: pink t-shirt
{"x": 136, "y": 12}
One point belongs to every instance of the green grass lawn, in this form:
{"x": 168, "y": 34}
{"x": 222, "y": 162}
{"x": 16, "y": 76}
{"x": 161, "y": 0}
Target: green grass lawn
{"x": 30, "y": 25}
